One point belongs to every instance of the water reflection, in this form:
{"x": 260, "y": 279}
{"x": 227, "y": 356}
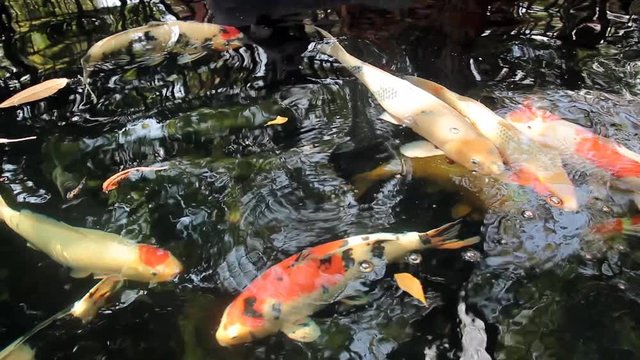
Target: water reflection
{"x": 239, "y": 196}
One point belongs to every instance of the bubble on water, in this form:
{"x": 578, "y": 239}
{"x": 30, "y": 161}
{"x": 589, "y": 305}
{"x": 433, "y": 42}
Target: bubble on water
{"x": 527, "y": 214}
{"x": 554, "y": 200}
{"x": 366, "y": 266}
{"x": 454, "y": 130}
{"x": 620, "y": 284}
{"x": 471, "y": 255}
{"x": 414, "y": 258}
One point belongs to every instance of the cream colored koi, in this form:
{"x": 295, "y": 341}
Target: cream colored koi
{"x": 409, "y": 105}
{"x": 88, "y": 251}
{"x": 157, "y": 38}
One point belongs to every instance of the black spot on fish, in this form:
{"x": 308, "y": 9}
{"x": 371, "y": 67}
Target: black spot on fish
{"x": 326, "y": 261}
{"x": 365, "y": 238}
{"x": 378, "y": 250}
{"x": 347, "y": 259}
{"x": 249, "y": 309}
{"x": 300, "y": 257}
{"x": 279, "y": 278}
{"x": 325, "y": 289}
{"x": 425, "y": 239}
{"x": 149, "y": 36}
{"x": 276, "y": 309}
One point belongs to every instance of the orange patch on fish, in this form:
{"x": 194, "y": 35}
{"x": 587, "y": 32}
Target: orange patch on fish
{"x": 297, "y": 276}
{"x": 613, "y": 226}
{"x": 152, "y": 256}
{"x": 606, "y": 156}
{"x": 115, "y": 180}
{"x": 526, "y": 177}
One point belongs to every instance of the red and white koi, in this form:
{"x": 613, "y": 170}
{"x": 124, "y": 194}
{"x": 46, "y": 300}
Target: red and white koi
{"x": 88, "y": 251}
{"x": 572, "y": 140}
{"x": 283, "y": 297}
{"x": 531, "y": 165}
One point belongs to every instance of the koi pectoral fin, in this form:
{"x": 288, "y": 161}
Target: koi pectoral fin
{"x": 420, "y": 149}
{"x": 79, "y": 273}
{"x": 390, "y": 118}
{"x": 304, "y": 330}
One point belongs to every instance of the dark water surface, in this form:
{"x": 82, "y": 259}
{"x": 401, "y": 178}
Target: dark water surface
{"x": 239, "y": 196}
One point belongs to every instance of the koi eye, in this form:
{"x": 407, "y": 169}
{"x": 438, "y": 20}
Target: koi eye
{"x": 366, "y": 266}
{"x": 475, "y": 161}
{"x": 154, "y": 274}
{"x": 414, "y": 258}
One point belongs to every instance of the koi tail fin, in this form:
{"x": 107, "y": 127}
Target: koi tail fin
{"x": 14, "y": 345}
{"x": 444, "y": 237}
{"x": 457, "y": 244}
{"x": 334, "y": 49}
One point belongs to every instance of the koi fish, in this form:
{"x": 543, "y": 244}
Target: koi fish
{"x": 573, "y": 141}
{"x": 531, "y": 164}
{"x": 421, "y": 160}
{"x": 114, "y": 180}
{"x": 84, "y": 309}
{"x": 408, "y": 105}
{"x": 617, "y": 226}
{"x": 157, "y": 38}
{"x": 283, "y": 297}
{"x": 88, "y": 251}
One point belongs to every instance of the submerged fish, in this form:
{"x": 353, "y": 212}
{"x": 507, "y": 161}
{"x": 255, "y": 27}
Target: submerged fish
{"x": 531, "y": 164}
{"x": 407, "y": 104}
{"x": 283, "y": 297}
{"x": 156, "y": 38}
{"x": 84, "y": 309}
{"x": 572, "y": 140}
{"x": 629, "y": 226}
{"x": 88, "y": 251}
{"x": 478, "y": 193}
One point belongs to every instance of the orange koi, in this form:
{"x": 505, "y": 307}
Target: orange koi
{"x": 574, "y": 140}
{"x": 283, "y": 297}
{"x": 115, "y": 180}
{"x": 617, "y": 226}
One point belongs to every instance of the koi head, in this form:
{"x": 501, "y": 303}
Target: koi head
{"x": 477, "y": 154}
{"x": 243, "y": 322}
{"x": 232, "y": 37}
{"x": 156, "y": 264}
{"x": 530, "y": 119}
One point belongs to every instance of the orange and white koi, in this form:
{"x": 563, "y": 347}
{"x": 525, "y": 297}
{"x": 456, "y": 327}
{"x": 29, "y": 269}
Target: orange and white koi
{"x": 88, "y": 251}
{"x": 572, "y": 140}
{"x": 530, "y": 163}
{"x": 283, "y": 297}
{"x": 407, "y": 104}
{"x": 114, "y": 180}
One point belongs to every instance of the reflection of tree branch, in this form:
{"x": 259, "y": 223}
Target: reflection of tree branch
{"x": 7, "y": 44}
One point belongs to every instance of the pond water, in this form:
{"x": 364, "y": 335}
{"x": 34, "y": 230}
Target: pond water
{"x": 238, "y": 196}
